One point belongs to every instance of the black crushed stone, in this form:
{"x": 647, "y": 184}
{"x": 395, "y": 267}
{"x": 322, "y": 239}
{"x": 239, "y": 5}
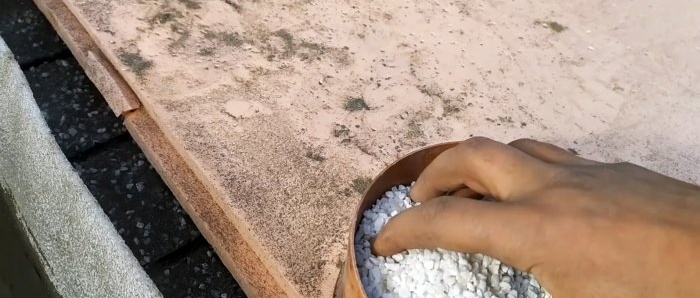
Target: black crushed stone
{"x": 137, "y": 201}
{"x": 27, "y": 32}
{"x": 75, "y": 111}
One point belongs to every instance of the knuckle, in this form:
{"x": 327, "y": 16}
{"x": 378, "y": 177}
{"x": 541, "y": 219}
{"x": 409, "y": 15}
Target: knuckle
{"x": 522, "y": 142}
{"x": 475, "y": 144}
{"x": 564, "y": 173}
{"x": 582, "y": 178}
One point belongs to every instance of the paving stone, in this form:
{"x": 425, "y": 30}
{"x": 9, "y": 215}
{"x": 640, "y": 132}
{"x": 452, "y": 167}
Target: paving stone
{"x": 137, "y": 201}
{"x": 74, "y": 109}
{"x": 27, "y": 32}
{"x": 200, "y": 274}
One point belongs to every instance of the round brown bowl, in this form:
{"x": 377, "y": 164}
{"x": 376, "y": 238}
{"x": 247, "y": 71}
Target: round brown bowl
{"x": 404, "y": 171}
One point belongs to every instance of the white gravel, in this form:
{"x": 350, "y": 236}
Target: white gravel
{"x": 428, "y": 273}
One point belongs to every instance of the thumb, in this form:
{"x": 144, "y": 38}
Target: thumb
{"x": 502, "y": 230}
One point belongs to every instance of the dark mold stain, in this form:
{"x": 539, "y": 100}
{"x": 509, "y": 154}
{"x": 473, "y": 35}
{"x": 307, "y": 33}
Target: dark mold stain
{"x": 315, "y": 155}
{"x": 343, "y": 132}
{"x": 184, "y": 36}
{"x": 506, "y": 119}
{"x": 289, "y": 47}
{"x": 135, "y": 62}
{"x": 310, "y": 51}
{"x": 554, "y": 26}
{"x": 414, "y": 130}
{"x": 206, "y": 51}
{"x": 165, "y": 17}
{"x": 191, "y": 4}
{"x": 360, "y": 184}
{"x": 236, "y": 6}
{"x": 431, "y": 90}
{"x": 288, "y": 39}
{"x": 449, "y": 108}
{"x": 356, "y": 104}
{"x": 232, "y": 39}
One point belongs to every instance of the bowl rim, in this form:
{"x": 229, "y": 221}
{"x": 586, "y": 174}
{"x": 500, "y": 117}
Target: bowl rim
{"x": 351, "y": 262}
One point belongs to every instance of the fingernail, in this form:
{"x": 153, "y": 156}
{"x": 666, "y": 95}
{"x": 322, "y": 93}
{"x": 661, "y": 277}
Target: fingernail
{"x": 415, "y": 193}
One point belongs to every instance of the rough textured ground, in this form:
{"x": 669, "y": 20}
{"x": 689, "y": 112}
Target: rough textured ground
{"x": 279, "y": 106}
{"x": 143, "y": 210}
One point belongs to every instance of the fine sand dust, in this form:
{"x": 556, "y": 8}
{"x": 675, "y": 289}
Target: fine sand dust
{"x": 280, "y": 105}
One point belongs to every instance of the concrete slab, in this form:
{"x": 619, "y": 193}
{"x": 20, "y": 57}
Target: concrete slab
{"x": 73, "y": 108}
{"x": 27, "y": 32}
{"x": 138, "y": 203}
{"x": 277, "y": 107}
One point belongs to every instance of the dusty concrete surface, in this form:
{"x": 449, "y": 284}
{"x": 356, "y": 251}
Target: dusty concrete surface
{"x": 79, "y": 252}
{"x": 241, "y": 260}
{"x": 335, "y": 90}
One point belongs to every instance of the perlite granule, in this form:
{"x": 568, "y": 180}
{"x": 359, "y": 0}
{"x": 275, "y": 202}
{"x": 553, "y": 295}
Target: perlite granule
{"x": 432, "y": 273}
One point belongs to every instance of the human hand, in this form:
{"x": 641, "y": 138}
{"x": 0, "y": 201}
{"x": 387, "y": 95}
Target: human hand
{"x": 583, "y": 228}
